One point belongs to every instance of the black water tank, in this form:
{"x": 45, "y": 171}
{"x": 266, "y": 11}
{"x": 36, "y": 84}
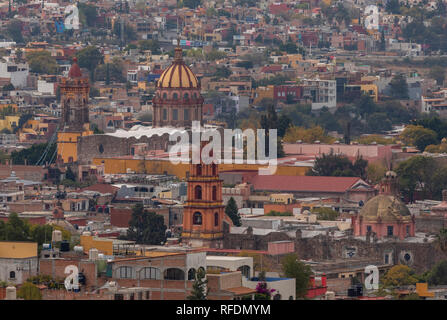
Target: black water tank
{"x": 359, "y": 290}
{"x": 65, "y": 246}
{"x": 351, "y": 292}
{"x": 81, "y": 278}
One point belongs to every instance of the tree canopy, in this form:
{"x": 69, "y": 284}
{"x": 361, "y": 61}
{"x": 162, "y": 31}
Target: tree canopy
{"x": 338, "y": 166}
{"x": 42, "y": 62}
{"x": 146, "y": 227}
{"x": 232, "y": 211}
{"x": 294, "y": 268}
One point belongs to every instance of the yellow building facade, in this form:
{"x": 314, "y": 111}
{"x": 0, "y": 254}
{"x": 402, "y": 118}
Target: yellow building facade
{"x": 121, "y": 166}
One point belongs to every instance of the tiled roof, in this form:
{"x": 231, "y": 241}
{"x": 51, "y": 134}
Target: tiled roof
{"x": 303, "y": 183}
{"x": 101, "y": 188}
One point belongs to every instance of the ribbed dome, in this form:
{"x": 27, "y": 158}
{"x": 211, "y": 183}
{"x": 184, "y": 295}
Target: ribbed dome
{"x": 178, "y": 75}
{"x": 387, "y": 207}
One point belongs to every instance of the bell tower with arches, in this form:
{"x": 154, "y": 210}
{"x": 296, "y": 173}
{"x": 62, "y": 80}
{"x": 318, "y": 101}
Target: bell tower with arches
{"x": 203, "y": 212}
{"x": 74, "y": 121}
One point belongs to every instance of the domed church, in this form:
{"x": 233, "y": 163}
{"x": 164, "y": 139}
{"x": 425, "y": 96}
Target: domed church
{"x": 177, "y": 101}
{"x": 385, "y": 214}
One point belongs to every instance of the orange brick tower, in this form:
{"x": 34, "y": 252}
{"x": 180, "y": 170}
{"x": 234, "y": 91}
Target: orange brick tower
{"x": 74, "y": 121}
{"x": 203, "y": 212}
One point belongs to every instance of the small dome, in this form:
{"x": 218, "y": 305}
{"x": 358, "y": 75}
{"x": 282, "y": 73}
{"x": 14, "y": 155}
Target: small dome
{"x": 75, "y": 71}
{"x": 386, "y": 207}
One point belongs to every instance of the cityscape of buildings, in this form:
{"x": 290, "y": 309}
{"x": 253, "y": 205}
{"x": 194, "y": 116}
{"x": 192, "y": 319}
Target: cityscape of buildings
{"x": 92, "y": 207}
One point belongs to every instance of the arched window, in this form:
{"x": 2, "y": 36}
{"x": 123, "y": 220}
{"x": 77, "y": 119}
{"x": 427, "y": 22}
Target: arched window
{"x": 165, "y": 95}
{"x": 197, "y": 218}
{"x": 185, "y": 96}
{"x": 199, "y": 169}
{"x": 150, "y": 273}
{"x": 214, "y": 193}
{"x": 12, "y": 275}
{"x": 174, "y": 274}
{"x": 198, "y": 192}
{"x": 175, "y": 96}
{"x": 216, "y": 219}
{"x": 192, "y": 274}
{"x": 245, "y": 270}
{"x": 214, "y": 168}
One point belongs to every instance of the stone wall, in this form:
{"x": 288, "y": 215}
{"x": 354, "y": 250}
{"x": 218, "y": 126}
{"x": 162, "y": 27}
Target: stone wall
{"x": 430, "y": 224}
{"x": 419, "y": 256}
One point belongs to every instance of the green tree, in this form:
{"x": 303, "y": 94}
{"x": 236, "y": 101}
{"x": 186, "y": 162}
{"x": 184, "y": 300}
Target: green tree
{"x": 146, "y": 227}
{"x": 437, "y": 73}
{"x": 419, "y": 136}
{"x": 399, "y": 87}
{"x": 222, "y": 72}
{"x": 90, "y": 57}
{"x": 294, "y": 268}
{"x": 199, "y": 289}
{"x": 69, "y": 174}
{"x": 438, "y": 275}
{"x": 324, "y": 213}
{"x": 15, "y": 229}
{"x": 192, "y": 4}
{"x": 152, "y": 45}
{"x": 399, "y": 275}
{"x": 34, "y": 154}
{"x": 87, "y": 14}
{"x": 29, "y": 291}
{"x": 14, "y": 30}
{"x": 415, "y": 173}
{"x": 42, "y": 62}
{"x": 338, "y": 165}
{"x": 215, "y": 55}
{"x": 393, "y": 6}
{"x": 232, "y": 212}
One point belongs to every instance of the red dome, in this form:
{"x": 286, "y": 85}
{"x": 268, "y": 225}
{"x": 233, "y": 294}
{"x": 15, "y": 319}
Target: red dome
{"x": 75, "y": 71}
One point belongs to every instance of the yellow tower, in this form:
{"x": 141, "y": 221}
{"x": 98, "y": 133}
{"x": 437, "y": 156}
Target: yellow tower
{"x": 74, "y": 121}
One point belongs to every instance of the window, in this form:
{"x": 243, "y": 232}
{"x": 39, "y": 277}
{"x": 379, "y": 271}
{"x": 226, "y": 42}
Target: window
{"x": 387, "y": 259}
{"x": 175, "y": 95}
{"x": 147, "y": 295}
{"x": 125, "y": 272}
{"x": 132, "y": 296}
{"x": 214, "y": 168}
{"x": 174, "y": 274}
{"x": 197, "y": 218}
{"x": 186, "y": 114}
{"x": 186, "y": 96}
{"x": 150, "y": 273}
{"x": 368, "y": 229}
{"x": 12, "y": 275}
{"x": 407, "y": 228}
{"x": 165, "y": 114}
{"x": 175, "y": 114}
{"x": 214, "y": 193}
{"x": 199, "y": 169}
{"x": 198, "y": 192}
{"x": 389, "y": 231}
{"x": 216, "y": 219}
{"x": 119, "y": 296}
{"x": 165, "y": 95}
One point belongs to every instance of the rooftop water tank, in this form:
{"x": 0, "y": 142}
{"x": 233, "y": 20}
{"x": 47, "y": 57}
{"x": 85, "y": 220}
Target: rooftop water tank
{"x": 78, "y": 249}
{"x": 56, "y": 236}
{"x": 11, "y": 293}
{"x": 93, "y": 254}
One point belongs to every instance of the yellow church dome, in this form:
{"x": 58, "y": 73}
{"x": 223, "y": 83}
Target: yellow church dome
{"x": 178, "y": 74}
